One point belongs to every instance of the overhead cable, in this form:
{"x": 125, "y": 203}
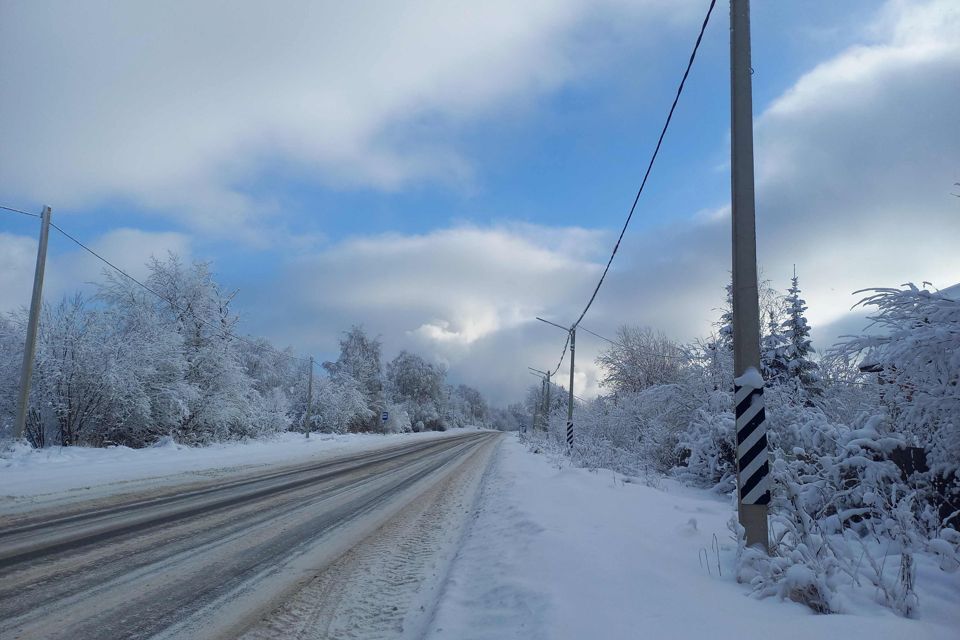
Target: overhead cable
{"x": 26, "y": 213}
{"x": 173, "y": 304}
{"x": 656, "y": 150}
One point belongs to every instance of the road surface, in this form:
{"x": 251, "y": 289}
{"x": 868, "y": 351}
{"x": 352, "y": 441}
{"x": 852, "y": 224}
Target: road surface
{"x": 343, "y": 548}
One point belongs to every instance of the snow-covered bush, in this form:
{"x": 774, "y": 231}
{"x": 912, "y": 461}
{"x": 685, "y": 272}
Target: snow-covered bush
{"x": 398, "y": 420}
{"x": 850, "y": 436}
{"x": 706, "y": 447}
{"x": 915, "y": 348}
{"x": 834, "y": 517}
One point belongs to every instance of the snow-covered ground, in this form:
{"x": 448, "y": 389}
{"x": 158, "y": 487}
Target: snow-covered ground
{"x": 32, "y": 476}
{"x": 557, "y": 552}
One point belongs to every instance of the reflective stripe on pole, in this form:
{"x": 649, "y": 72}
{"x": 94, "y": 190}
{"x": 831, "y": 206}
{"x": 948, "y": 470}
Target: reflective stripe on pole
{"x": 752, "y": 458}
{"x": 573, "y": 349}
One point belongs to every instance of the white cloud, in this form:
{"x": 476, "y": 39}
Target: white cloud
{"x": 74, "y": 269}
{"x": 854, "y": 166}
{"x": 855, "y": 163}
{"x": 18, "y": 256}
{"x": 127, "y": 249}
{"x": 461, "y": 296}
{"x": 856, "y": 160}
{"x": 178, "y": 105}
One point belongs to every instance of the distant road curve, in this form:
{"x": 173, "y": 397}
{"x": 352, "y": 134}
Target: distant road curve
{"x": 208, "y": 561}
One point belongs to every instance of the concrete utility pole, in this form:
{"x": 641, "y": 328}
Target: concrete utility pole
{"x": 572, "y": 332}
{"x": 573, "y": 348}
{"x": 536, "y": 414}
{"x": 753, "y": 472}
{"x": 30, "y": 348}
{"x": 544, "y": 393}
{"x": 547, "y": 429}
{"x": 309, "y": 398}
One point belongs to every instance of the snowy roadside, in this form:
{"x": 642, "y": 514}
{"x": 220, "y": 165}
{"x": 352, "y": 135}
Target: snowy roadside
{"x": 31, "y": 477}
{"x": 566, "y": 553}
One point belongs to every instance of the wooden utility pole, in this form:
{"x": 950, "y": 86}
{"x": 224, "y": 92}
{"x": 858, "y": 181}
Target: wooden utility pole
{"x": 753, "y": 468}
{"x": 33, "y": 323}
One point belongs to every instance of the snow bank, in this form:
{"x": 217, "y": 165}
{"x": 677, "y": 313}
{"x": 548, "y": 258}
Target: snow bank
{"x": 565, "y": 553}
{"x": 29, "y": 474}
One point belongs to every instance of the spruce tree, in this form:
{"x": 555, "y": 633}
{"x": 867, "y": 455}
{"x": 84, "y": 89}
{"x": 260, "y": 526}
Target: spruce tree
{"x": 798, "y": 349}
{"x": 725, "y": 324}
{"x": 773, "y": 361}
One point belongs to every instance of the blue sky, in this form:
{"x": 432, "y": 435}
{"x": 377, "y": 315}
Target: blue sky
{"x": 442, "y": 173}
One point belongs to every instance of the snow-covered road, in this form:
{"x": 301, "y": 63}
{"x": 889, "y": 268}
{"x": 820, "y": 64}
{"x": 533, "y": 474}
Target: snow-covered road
{"x": 457, "y": 535}
{"x": 251, "y": 553}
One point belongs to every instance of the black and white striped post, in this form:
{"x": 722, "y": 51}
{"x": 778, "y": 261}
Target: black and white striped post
{"x": 752, "y": 460}
{"x": 753, "y": 469}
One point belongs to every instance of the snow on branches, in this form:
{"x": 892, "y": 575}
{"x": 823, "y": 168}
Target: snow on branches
{"x": 133, "y": 366}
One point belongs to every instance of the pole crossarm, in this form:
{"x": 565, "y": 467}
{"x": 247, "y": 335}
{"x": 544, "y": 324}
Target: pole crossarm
{"x": 555, "y": 324}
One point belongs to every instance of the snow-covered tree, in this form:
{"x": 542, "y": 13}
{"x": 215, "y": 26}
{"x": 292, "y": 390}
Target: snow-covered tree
{"x": 724, "y": 325}
{"x": 73, "y": 375}
{"x": 799, "y": 349}
{"x": 226, "y": 405}
{"x": 639, "y": 358}
{"x": 340, "y": 405}
{"x": 503, "y": 419}
{"x": 12, "y": 333}
{"x": 771, "y": 307}
{"x": 420, "y": 388}
{"x": 773, "y": 360}
{"x": 155, "y": 397}
{"x": 135, "y": 364}
{"x": 360, "y": 360}
{"x": 466, "y": 406}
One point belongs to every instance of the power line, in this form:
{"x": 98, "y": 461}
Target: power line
{"x": 643, "y": 183}
{"x": 26, "y": 213}
{"x": 563, "y": 355}
{"x": 223, "y": 332}
{"x": 663, "y": 132}
{"x": 558, "y": 386}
